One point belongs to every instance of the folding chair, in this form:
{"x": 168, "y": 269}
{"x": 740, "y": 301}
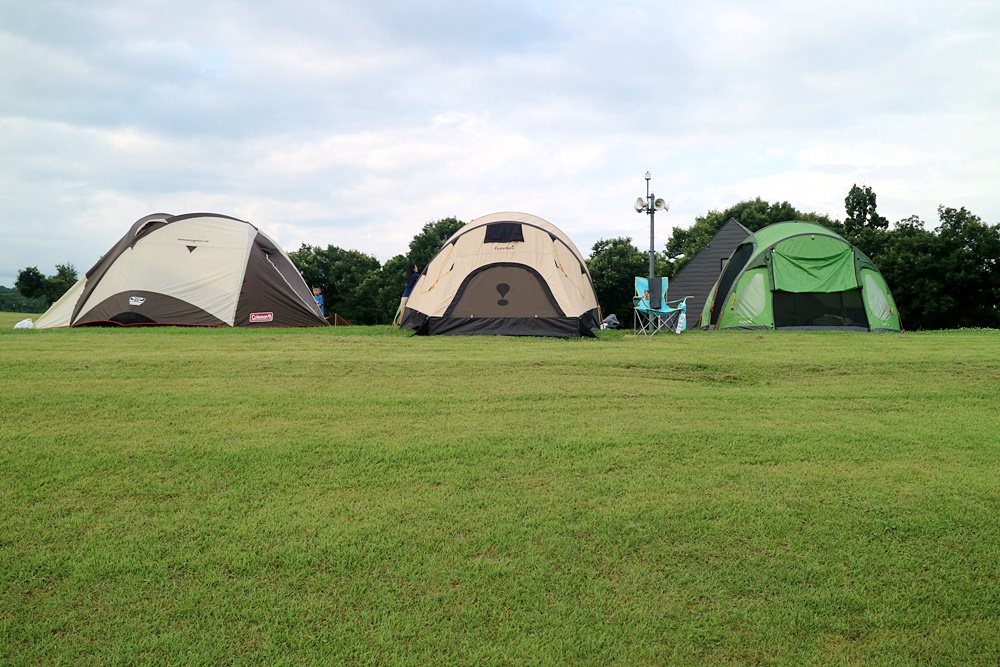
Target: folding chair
{"x": 652, "y": 312}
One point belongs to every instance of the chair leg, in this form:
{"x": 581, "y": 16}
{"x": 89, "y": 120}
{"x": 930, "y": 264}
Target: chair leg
{"x": 669, "y": 321}
{"x": 642, "y": 323}
{"x": 650, "y": 324}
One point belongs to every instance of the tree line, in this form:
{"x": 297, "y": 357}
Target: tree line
{"x": 12, "y": 301}
{"x": 944, "y": 277}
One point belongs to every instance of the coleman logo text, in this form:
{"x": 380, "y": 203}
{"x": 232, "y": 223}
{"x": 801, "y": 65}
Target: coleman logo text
{"x": 261, "y": 317}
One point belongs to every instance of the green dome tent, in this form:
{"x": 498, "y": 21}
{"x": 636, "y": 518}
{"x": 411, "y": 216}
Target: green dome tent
{"x": 799, "y": 275}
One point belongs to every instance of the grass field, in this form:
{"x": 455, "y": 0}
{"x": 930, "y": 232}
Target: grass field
{"x": 344, "y": 496}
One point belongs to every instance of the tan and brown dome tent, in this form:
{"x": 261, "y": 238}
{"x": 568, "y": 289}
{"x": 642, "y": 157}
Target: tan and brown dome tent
{"x": 200, "y": 269}
{"x": 505, "y": 273}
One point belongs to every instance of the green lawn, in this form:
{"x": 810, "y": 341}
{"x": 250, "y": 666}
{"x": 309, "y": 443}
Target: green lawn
{"x": 343, "y": 496}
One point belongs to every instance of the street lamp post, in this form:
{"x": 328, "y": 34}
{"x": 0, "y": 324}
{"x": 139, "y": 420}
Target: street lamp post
{"x": 651, "y": 204}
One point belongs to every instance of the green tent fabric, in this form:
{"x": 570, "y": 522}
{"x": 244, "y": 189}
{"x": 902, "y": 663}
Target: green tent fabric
{"x": 813, "y": 264}
{"x": 799, "y": 275}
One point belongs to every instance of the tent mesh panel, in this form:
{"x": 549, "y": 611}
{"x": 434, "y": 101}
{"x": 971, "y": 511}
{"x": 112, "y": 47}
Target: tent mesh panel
{"x": 812, "y": 309}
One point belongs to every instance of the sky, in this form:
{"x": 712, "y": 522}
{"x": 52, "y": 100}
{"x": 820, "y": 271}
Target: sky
{"x": 354, "y": 124}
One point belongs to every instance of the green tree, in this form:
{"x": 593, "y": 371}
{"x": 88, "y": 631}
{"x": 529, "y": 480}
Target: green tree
{"x": 429, "y": 240}
{"x": 348, "y": 294}
{"x": 12, "y": 301}
{"x": 863, "y": 226}
{"x": 311, "y": 261}
{"x": 59, "y": 283}
{"x": 386, "y": 286}
{"x": 343, "y": 277}
{"x": 861, "y": 211}
{"x": 946, "y": 278}
{"x": 32, "y": 283}
{"x": 356, "y": 286}
{"x": 614, "y": 264}
{"x": 908, "y": 263}
{"x": 753, "y": 214}
{"x": 970, "y": 266}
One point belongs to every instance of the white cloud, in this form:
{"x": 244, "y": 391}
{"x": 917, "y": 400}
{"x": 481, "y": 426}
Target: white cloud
{"x": 355, "y": 124}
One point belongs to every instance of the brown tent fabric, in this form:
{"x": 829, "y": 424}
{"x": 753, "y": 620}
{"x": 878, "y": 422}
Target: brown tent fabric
{"x": 199, "y": 269}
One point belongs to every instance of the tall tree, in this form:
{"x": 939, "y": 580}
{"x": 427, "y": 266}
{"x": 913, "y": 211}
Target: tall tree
{"x": 429, "y": 240}
{"x": 862, "y": 212}
{"x": 346, "y": 279}
{"x": 614, "y": 264}
{"x": 342, "y": 275}
{"x": 945, "y": 278}
{"x": 908, "y": 264}
{"x": 311, "y": 261}
{"x": 970, "y": 266}
{"x": 387, "y": 286}
{"x": 59, "y": 283}
{"x": 32, "y": 283}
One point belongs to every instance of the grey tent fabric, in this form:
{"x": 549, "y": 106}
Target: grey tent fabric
{"x": 699, "y": 275}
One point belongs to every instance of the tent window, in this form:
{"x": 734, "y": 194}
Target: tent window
{"x": 876, "y": 298}
{"x": 752, "y": 297}
{"x": 503, "y": 232}
{"x": 819, "y": 309}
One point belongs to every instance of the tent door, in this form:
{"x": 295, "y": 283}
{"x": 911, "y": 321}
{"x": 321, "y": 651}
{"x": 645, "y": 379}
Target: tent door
{"x": 504, "y": 290}
{"x": 819, "y": 309}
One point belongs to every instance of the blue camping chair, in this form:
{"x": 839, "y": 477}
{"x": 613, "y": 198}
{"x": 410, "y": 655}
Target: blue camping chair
{"x": 652, "y": 313}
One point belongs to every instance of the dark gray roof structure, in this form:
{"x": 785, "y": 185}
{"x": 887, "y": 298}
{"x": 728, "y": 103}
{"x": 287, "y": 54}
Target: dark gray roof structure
{"x": 698, "y": 276}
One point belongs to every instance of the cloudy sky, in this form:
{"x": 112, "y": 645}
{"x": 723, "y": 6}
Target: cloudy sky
{"x": 355, "y": 123}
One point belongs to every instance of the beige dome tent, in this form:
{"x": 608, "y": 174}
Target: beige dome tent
{"x": 505, "y": 273}
{"x": 200, "y": 269}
